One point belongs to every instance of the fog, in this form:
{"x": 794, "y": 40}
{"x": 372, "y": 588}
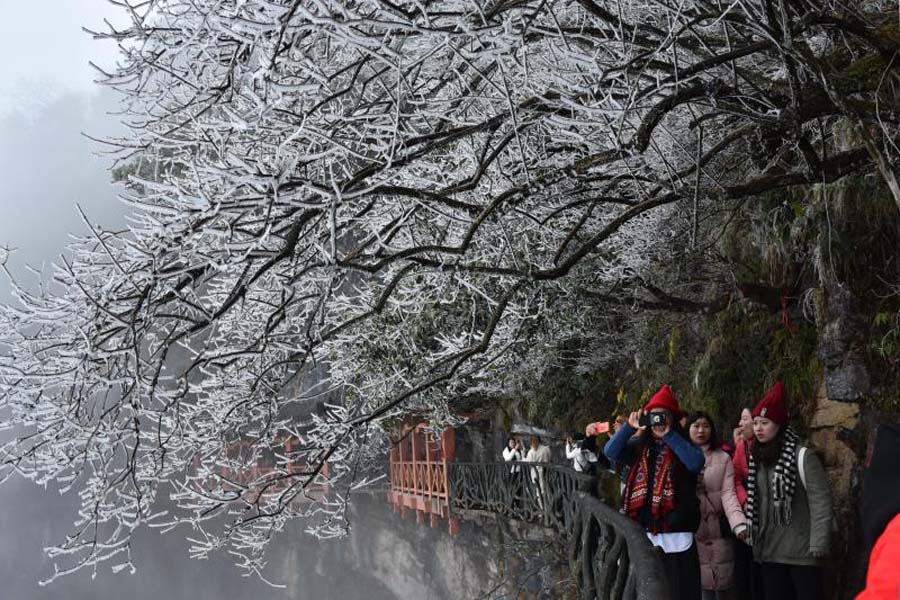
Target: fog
{"x": 47, "y": 55}
{"x": 47, "y": 167}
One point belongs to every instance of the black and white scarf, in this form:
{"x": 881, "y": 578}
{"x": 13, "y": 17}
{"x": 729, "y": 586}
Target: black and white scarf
{"x": 784, "y": 481}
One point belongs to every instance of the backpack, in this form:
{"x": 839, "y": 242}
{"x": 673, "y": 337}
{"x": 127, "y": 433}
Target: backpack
{"x": 801, "y": 470}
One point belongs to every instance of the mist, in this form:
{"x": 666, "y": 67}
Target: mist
{"x": 48, "y": 168}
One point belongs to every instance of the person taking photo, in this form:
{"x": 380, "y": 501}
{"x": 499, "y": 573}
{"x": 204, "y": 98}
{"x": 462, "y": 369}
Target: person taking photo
{"x": 661, "y": 488}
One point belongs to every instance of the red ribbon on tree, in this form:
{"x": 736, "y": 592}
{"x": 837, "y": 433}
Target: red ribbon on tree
{"x": 785, "y": 315}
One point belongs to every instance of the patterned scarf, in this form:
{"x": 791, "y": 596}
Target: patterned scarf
{"x": 783, "y": 483}
{"x": 662, "y": 495}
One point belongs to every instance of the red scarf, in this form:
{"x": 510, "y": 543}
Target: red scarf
{"x": 662, "y": 501}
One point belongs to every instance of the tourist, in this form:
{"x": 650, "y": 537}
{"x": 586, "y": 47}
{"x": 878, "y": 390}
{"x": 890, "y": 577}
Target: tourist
{"x": 661, "y": 488}
{"x": 583, "y": 454}
{"x": 743, "y": 441}
{"x": 592, "y": 445}
{"x": 538, "y": 453}
{"x": 880, "y": 516}
{"x": 513, "y": 453}
{"x": 883, "y": 576}
{"x": 746, "y": 572}
{"x": 721, "y": 517}
{"x": 788, "y": 505}
{"x": 620, "y": 469}
{"x": 598, "y": 435}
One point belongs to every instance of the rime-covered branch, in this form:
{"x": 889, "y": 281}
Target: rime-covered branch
{"x": 345, "y": 211}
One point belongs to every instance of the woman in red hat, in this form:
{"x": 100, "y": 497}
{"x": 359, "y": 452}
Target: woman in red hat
{"x": 661, "y": 487}
{"x": 788, "y": 505}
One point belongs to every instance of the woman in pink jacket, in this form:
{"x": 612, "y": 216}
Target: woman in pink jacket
{"x": 746, "y": 572}
{"x": 720, "y": 512}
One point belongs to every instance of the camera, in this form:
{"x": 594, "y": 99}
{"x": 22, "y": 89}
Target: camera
{"x": 654, "y": 419}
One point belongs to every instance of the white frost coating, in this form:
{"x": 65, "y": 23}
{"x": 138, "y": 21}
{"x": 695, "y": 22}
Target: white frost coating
{"x": 344, "y": 212}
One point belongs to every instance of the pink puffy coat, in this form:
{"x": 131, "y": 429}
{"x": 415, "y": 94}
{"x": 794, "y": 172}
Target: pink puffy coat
{"x": 716, "y": 492}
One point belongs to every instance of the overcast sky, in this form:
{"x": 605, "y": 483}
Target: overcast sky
{"x": 47, "y": 99}
{"x": 46, "y": 54}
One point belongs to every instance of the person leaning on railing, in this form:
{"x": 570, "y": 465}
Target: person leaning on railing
{"x": 661, "y": 488}
{"x": 513, "y": 453}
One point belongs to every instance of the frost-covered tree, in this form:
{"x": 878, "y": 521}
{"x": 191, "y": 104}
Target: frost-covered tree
{"x": 344, "y": 210}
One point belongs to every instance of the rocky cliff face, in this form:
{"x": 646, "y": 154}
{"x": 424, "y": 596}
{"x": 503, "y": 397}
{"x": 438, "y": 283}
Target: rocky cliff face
{"x": 388, "y": 557}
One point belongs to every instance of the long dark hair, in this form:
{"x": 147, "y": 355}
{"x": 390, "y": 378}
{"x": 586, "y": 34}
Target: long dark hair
{"x": 768, "y": 454}
{"x": 714, "y": 441}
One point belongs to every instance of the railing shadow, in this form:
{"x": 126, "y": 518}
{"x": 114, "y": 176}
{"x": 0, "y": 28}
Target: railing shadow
{"x": 609, "y": 555}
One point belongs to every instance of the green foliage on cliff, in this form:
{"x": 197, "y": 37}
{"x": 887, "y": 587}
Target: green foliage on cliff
{"x": 784, "y": 252}
{"x": 719, "y": 364}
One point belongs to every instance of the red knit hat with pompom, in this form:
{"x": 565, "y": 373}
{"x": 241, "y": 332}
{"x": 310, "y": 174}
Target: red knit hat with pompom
{"x": 773, "y": 406}
{"x": 664, "y": 398}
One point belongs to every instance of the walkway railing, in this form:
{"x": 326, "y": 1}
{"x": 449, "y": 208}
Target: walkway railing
{"x": 525, "y": 492}
{"x": 609, "y": 555}
{"x": 423, "y": 479}
{"x": 418, "y": 472}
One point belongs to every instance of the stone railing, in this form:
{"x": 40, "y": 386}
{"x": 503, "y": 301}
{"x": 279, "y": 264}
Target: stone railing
{"x": 610, "y": 556}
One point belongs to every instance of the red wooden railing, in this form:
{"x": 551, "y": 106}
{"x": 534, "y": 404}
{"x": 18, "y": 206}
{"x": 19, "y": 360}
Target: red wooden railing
{"x": 264, "y": 478}
{"x": 418, "y": 472}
